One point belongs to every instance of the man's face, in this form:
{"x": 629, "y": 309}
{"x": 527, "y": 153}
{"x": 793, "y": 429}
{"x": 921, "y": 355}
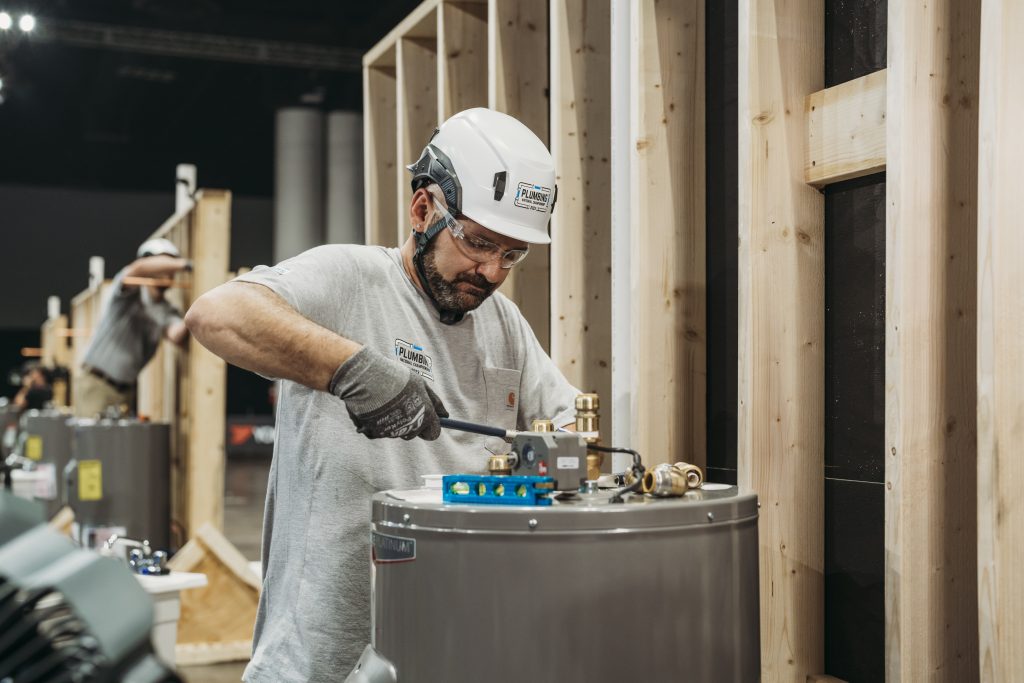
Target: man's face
{"x": 458, "y": 282}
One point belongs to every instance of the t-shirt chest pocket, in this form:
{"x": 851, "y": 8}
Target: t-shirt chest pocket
{"x": 502, "y": 386}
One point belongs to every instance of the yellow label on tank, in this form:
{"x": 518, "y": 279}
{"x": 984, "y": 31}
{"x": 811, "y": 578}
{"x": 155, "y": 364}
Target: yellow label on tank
{"x": 90, "y": 480}
{"x": 34, "y": 447}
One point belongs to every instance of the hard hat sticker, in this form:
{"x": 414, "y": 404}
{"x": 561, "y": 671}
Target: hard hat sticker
{"x": 535, "y": 197}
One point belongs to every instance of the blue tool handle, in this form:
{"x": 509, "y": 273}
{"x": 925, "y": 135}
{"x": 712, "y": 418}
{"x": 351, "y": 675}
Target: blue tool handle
{"x": 474, "y": 428}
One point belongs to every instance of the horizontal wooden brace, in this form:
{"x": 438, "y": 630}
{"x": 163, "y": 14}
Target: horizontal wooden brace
{"x": 845, "y": 130}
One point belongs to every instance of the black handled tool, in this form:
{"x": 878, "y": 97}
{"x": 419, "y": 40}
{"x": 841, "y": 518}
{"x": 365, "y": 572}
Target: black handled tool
{"x": 474, "y": 428}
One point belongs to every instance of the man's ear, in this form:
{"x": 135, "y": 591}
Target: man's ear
{"x": 419, "y": 209}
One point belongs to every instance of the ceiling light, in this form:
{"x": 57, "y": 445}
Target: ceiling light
{"x": 5, "y": 21}
{"x": 1, "y": 84}
{"x": 27, "y": 23}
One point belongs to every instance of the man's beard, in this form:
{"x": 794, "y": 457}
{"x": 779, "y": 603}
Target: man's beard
{"x": 445, "y": 291}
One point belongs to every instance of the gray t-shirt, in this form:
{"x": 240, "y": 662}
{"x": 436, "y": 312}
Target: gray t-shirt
{"x": 129, "y": 332}
{"x": 313, "y": 618}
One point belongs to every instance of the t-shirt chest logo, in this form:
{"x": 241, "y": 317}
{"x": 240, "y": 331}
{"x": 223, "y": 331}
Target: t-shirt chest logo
{"x": 414, "y": 356}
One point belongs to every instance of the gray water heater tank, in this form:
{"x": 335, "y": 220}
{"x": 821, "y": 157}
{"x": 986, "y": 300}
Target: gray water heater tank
{"x": 119, "y": 477}
{"x": 652, "y": 590}
{"x": 46, "y": 440}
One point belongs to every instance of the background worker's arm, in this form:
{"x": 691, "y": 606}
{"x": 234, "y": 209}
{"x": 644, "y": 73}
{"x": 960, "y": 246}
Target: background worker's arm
{"x": 156, "y": 266}
{"x": 250, "y": 326}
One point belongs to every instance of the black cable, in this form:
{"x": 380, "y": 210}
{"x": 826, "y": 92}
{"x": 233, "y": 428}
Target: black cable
{"x": 638, "y": 469}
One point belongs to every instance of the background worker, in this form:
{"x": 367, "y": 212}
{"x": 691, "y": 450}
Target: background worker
{"x": 36, "y": 390}
{"x": 401, "y": 336}
{"x": 134, "y": 320}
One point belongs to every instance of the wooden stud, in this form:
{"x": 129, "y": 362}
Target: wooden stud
{"x": 931, "y": 274}
{"x": 581, "y": 223}
{"x": 203, "y": 389}
{"x": 781, "y": 327}
{"x": 1000, "y": 335}
{"x": 931, "y": 604}
{"x": 380, "y": 152}
{"x": 517, "y": 84}
{"x": 846, "y": 130}
{"x": 416, "y": 113}
{"x": 462, "y": 57}
{"x": 668, "y": 285}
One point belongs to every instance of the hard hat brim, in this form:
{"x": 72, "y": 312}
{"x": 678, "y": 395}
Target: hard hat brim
{"x": 501, "y": 225}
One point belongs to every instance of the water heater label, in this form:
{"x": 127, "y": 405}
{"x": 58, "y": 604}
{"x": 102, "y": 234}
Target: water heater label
{"x": 34, "y": 447}
{"x": 569, "y": 463}
{"x": 90, "y": 480}
{"x": 388, "y": 549}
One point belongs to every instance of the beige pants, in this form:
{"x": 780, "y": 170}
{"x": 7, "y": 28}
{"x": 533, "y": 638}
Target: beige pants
{"x": 93, "y": 395}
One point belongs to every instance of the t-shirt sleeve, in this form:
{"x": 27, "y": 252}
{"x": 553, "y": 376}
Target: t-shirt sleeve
{"x": 545, "y": 393}
{"x": 318, "y": 283}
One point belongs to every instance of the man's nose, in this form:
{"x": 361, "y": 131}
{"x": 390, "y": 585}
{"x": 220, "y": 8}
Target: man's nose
{"x": 490, "y": 270}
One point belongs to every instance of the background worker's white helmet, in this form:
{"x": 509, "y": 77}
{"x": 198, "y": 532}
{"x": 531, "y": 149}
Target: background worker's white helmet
{"x": 157, "y": 247}
{"x": 494, "y": 170}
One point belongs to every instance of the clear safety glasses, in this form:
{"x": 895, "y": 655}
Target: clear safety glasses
{"x": 476, "y": 248}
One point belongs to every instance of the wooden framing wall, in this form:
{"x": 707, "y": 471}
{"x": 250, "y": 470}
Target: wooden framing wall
{"x": 416, "y": 107}
{"x": 185, "y": 387}
{"x": 668, "y": 278}
{"x": 517, "y": 84}
{"x": 781, "y": 327}
{"x": 931, "y": 261}
{"x": 380, "y": 149}
{"x": 1000, "y": 331}
{"x": 462, "y": 67}
{"x": 581, "y": 223}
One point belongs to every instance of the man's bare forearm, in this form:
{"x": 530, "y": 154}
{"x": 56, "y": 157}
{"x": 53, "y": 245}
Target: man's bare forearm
{"x": 250, "y": 326}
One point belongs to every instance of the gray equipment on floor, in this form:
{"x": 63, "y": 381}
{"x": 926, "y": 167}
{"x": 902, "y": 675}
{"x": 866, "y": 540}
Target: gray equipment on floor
{"x": 68, "y": 614}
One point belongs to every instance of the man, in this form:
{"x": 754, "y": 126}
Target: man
{"x": 401, "y": 336}
{"x": 35, "y": 390}
{"x": 134, "y": 320}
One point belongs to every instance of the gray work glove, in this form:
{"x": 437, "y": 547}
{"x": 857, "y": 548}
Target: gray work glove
{"x": 385, "y": 399}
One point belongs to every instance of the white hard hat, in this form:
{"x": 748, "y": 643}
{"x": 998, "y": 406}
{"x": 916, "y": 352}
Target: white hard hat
{"x": 157, "y": 247}
{"x": 494, "y": 170}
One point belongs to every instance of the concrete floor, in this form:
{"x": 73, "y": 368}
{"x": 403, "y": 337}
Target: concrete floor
{"x": 245, "y": 489}
{"x": 215, "y": 673}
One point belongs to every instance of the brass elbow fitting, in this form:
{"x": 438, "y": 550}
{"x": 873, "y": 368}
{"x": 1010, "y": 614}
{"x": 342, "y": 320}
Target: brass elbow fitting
{"x": 672, "y": 480}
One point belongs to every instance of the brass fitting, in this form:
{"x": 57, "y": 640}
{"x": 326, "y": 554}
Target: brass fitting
{"x": 587, "y": 420}
{"x": 542, "y": 426}
{"x": 594, "y": 461}
{"x": 672, "y": 480}
{"x": 499, "y": 464}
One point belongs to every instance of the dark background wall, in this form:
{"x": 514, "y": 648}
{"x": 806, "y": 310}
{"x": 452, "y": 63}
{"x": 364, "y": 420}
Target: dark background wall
{"x": 721, "y": 31}
{"x": 855, "y": 45}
